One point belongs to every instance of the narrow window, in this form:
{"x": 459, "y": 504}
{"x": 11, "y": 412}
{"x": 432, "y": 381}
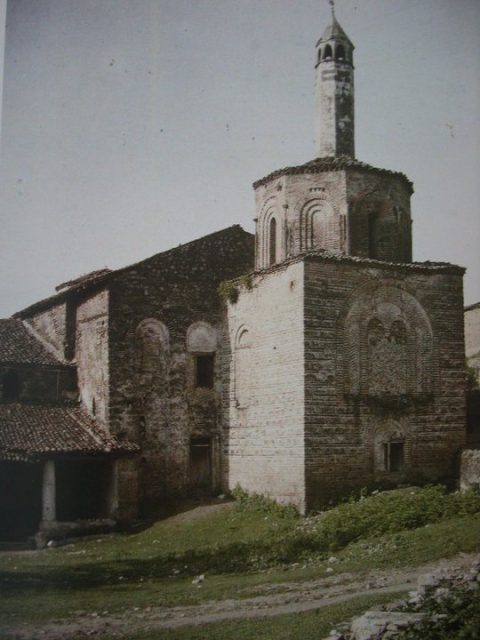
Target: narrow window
{"x": 327, "y": 52}
{"x": 340, "y": 52}
{"x": 272, "y": 249}
{"x": 204, "y": 371}
{"x": 11, "y": 386}
{"x": 319, "y": 55}
{"x": 394, "y": 456}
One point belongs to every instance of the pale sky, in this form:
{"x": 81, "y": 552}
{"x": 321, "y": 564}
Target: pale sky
{"x": 130, "y": 126}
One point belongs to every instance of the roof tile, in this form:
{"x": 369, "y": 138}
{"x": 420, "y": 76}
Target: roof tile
{"x": 38, "y": 430}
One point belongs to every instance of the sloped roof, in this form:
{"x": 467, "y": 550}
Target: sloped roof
{"x": 102, "y": 277}
{"x": 83, "y": 280}
{"x": 28, "y": 431}
{"x": 19, "y": 346}
{"x": 340, "y": 163}
{"x": 334, "y": 31}
{"x": 471, "y": 307}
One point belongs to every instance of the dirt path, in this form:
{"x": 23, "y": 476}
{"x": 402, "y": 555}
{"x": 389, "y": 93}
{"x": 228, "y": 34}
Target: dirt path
{"x": 273, "y": 600}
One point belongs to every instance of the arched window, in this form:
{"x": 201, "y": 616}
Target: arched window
{"x": 202, "y": 344}
{"x": 11, "y": 386}
{"x": 340, "y": 52}
{"x": 272, "y": 242}
{"x": 243, "y": 368}
{"x": 319, "y": 55}
{"x": 327, "y": 53}
{"x": 152, "y": 342}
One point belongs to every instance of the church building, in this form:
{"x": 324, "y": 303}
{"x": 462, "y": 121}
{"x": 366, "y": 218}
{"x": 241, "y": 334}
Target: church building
{"x": 305, "y": 362}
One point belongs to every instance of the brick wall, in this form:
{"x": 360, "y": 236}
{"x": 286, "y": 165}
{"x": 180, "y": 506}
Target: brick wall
{"x": 383, "y": 364}
{"x": 355, "y": 211}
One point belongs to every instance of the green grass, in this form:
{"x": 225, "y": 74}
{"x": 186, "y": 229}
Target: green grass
{"x": 238, "y": 549}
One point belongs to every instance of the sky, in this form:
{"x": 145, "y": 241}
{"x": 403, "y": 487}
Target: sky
{"x": 131, "y": 126}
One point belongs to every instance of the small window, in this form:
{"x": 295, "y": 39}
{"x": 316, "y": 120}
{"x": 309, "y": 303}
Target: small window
{"x": 340, "y": 52}
{"x": 204, "y": 371}
{"x": 327, "y": 53}
{"x": 272, "y": 257}
{"x": 394, "y": 456}
{"x": 11, "y": 386}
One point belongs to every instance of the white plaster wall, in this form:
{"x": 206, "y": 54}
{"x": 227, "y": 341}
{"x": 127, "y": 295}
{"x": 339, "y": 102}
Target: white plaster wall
{"x": 472, "y": 338}
{"x": 91, "y": 351}
{"x": 266, "y": 403}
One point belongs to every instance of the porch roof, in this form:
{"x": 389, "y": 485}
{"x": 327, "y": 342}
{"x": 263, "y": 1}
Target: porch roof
{"x": 30, "y": 431}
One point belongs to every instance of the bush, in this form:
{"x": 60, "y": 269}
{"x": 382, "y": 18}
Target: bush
{"x": 388, "y": 512}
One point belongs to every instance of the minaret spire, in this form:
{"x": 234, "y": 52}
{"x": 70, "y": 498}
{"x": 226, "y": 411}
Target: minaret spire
{"x": 332, "y": 5}
{"x": 334, "y": 117}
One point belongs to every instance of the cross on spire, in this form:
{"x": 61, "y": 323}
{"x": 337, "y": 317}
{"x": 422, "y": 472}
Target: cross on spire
{"x": 332, "y": 4}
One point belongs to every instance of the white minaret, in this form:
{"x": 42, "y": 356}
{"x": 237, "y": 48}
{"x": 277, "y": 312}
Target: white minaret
{"x": 334, "y": 96}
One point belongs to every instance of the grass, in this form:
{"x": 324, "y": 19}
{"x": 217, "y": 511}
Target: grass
{"x": 239, "y": 548}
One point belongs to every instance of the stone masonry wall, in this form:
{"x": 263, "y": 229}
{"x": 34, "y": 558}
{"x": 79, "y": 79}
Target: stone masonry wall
{"x": 164, "y": 312}
{"x": 384, "y": 375}
{"x": 266, "y": 396}
{"x": 91, "y": 353}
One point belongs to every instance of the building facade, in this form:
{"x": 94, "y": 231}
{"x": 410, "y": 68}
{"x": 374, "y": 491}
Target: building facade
{"x": 326, "y": 361}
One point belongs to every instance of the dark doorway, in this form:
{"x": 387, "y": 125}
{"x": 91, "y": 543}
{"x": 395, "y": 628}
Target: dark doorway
{"x": 20, "y": 499}
{"x": 201, "y": 466}
{"x": 394, "y": 456}
{"x": 82, "y": 489}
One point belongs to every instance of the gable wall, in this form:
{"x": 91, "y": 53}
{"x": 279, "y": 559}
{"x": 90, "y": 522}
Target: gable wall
{"x": 153, "y": 399}
{"x": 51, "y": 325}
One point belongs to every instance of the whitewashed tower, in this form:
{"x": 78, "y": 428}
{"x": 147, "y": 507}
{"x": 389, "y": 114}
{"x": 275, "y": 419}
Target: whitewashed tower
{"x": 334, "y": 95}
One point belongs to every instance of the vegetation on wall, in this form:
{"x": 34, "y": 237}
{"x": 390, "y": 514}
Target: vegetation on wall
{"x": 230, "y": 289}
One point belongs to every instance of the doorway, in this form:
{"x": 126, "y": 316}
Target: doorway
{"x": 200, "y": 470}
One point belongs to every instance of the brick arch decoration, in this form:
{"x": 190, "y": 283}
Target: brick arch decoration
{"x": 319, "y": 226}
{"x": 271, "y": 209}
{"x": 152, "y": 351}
{"x": 386, "y": 345}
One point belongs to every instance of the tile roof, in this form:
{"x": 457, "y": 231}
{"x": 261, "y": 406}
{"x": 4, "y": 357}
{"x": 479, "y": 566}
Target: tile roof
{"x": 340, "y": 163}
{"x": 102, "y": 277}
{"x": 30, "y": 430}
{"x": 19, "y": 346}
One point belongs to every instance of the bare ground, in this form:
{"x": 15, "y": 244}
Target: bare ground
{"x": 272, "y": 600}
